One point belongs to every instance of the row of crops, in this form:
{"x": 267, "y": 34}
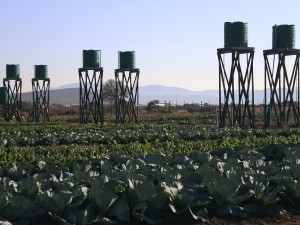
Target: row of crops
{"x": 151, "y": 187}
{"x": 86, "y": 174}
{"x": 204, "y": 118}
{"x": 67, "y": 142}
{"x": 91, "y": 134}
{"x": 190, "y": 119}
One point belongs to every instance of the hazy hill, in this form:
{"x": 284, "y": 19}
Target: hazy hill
{"x": 60, "y": 96}
{"x": 69, "y": 94}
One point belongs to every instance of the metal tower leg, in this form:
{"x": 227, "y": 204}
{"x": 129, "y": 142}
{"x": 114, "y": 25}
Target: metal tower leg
{"x": 240, "y": 110}
{"x": 13, "y": 106}
{"x": 91, "y": 95}
{"x": 127, "y": 95}
{"x": 281, "y": 104}
{"x": 41, "y": 94}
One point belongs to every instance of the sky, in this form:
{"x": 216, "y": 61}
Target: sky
{"x": 175, "y": 41}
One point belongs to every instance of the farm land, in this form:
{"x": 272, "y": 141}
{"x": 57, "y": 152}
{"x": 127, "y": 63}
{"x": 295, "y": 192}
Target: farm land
{"x": 168, "y": 169}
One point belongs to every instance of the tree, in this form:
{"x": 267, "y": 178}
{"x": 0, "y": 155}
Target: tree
{"x": 191, "y": 108}
{"x": 152, "y": 105}
{"x": 109, "y": 92}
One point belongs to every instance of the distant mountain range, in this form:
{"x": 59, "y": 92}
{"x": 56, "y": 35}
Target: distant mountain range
{"x": 69, "y": 94}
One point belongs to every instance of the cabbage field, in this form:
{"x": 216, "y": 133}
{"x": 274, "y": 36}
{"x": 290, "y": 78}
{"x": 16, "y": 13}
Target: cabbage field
{"x": 153, "y": 174}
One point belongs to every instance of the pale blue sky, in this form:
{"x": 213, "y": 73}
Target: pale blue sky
{"x": 175, "y": 40}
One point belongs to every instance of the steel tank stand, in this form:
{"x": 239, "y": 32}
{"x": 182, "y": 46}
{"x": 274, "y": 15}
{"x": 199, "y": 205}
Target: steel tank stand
{"x": 41, "y": 97}
{"x": 238, "y": 108}
{"x": 127, "y": 95}
{"x": 91, "y": 95}
{"x": 282, "y": 85}
{"x": 13, "y": 107}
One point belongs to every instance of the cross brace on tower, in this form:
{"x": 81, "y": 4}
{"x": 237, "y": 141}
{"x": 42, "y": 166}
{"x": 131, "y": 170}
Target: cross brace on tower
{"x": 127, "y": 97}
{"x": 282, "y": 103}
{"x": 237, "y": 108}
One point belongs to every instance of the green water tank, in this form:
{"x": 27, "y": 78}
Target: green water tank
{"x": 92, "y": 59}
{"x": 127, "y": 60}
{"x": 3, "y": 96}
{"x": 13, "y": 71}
{"x": 41, "y": 71}
{"x": 235, "y": 34}
{"x": 283, "y": 37}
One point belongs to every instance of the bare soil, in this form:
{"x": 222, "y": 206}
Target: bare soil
{"x": 287, "y": 218}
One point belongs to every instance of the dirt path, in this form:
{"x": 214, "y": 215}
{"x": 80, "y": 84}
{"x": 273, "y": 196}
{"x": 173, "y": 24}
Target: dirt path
{"x": 288, "y": 218}
{"x": 285, "y": 218}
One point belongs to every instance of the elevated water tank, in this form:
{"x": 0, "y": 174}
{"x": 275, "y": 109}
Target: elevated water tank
{"x": 127, "y": 60}
{"x": 13, "y": 71}
{"x": 41, "y": 71}
{"x": 283, "y": 36}
{"x": 91, "y": 59}
{"x": 235, "y": 34}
